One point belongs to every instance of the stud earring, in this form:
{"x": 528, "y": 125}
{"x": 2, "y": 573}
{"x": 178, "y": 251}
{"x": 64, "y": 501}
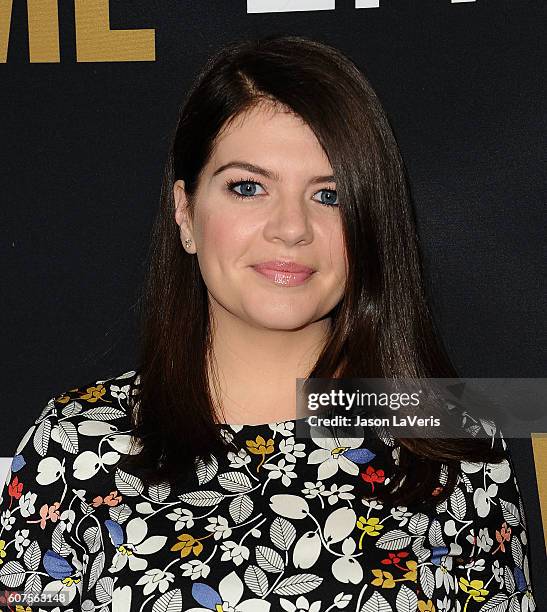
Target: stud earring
{"x": 187, "y": 242}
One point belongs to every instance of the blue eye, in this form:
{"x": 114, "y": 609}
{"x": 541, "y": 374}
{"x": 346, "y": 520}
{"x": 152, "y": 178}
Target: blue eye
{"x": 331, "y": 198}
{"x": 248, "y": 188}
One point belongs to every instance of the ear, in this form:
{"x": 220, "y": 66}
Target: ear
{"x": 182, "y": 213}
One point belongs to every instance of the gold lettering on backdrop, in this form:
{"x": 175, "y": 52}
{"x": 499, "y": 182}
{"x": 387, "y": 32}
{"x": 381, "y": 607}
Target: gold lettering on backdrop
{"x": 43, "y": 31}
{"x": 96, "y": 42}
{"x": 5, "y": 21}
{"x": 539, "y": 445}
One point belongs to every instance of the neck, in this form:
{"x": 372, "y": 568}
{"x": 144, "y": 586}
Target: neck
{"x": 256, "y": 368}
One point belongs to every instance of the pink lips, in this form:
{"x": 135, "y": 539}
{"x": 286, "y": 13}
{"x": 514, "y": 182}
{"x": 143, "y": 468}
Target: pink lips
{"x": 285, "y": 273}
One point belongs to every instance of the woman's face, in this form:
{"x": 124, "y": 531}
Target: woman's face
{"x": 284, "y": 207}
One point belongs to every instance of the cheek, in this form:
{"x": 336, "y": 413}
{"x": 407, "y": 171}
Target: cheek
{"x": 215, "y": 236}
{"x": 338, "y": 257}
{"x": 221, "y": 241}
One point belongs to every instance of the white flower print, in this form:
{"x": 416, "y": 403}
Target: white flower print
{"x": 451, "y": 530}
{"x": 498, "y": 472}
{"x": 482, "y": 540}
{"x": 312, "y": 490}
{"x": 239, "y": 459}
{"x": 335, "y": 493}
{"x": 219, "y": 526}
{"x": 7, "y": 520}
{"x": 289, "y": 506}
{"x": 528, "y": 602}
{"x": 155, "y": 579}
{"x": 483, "y": 499}
{"x": 66, "y": 519}
{"x": 374, "y": 504}
{"x": 284, "y": 428}
{"x": 50, "y": 470}
{"x": 401, "y": 514}
{"x": 21, "y": 541}
{"x": 137, "y": 544}
{"x": 236, "y": 552}
{"x": 281, "y": 470}
{"x": 307, "y": 549}
{"x": 348, "y": 569}
{"x": 475, "y": 564}
{"x": 121, "y": 599}
{"x": 88, "y": 463}
{"x": 291, "y": 449}
{"x": 330, "y": 454}
{"x": 498, "y": 572}
{"x": 443, "y": 605}
{"x": 26, "y": 503}
{"x": 184, "y": 518}
{"x": 444, "y": 579}
{"x": 230, "y": 592}
{"x": 195, "y": 569}
{"x": 120, "y": 393}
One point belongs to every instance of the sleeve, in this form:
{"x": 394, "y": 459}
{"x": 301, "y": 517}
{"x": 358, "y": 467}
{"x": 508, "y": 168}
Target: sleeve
{"x": 486, "y": 567}
{"x": 40, "y": 565}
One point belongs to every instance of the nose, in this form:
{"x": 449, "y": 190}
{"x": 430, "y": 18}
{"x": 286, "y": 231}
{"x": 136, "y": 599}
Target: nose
{"x": 289, "y": 221}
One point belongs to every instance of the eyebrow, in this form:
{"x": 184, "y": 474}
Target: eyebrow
{"x": 270, "y": 174}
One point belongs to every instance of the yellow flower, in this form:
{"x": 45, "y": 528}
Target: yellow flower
{"x": 3, "y": 553}
{"x": 473, "y": 588}
{"x": 20, "y": 608}
{"x": 412, "y": 573}
{"x": 93, "y": 394}
{"x": 187, "y": 545}
{"x": 260, "y": 446}
{"x": 383, "y": 579}
{"x": 370, "y": 526}
{"x": 426, "y": 606}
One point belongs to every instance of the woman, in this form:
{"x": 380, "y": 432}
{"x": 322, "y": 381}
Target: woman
{"x": 284, "y": 248}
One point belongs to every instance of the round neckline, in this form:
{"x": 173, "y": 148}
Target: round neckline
{"x": 298, "y": 427}
{"x": 271, "y": 423}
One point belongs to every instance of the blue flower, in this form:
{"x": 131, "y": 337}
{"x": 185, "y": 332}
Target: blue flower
{"x": 206, "y": 596}
{"x": 17, "y": 463}
{"x": 359, "y": 455}
{"x": 56, "y": 566}
{"x": 115, "y": 531}
{"x": 437, "y": 553}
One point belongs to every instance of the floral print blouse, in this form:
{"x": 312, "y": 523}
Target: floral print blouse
{"x": 278, "y": 526}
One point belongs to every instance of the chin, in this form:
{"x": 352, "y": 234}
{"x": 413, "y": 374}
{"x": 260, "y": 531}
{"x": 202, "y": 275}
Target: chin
{"x": 282, "y": 320}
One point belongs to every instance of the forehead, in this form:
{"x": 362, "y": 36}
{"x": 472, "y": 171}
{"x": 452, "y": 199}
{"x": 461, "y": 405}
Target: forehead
{"x": 274, "y": 133}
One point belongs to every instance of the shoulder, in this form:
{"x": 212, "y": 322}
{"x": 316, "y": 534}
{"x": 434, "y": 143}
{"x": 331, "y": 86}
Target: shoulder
{"x": 103, "y": 401}
{"x": 490, "y": 488}
{"x": 58, "y": 473}
{"x": 487, "y": 481}
{"x": 115, "y": 391}
{"x": 87, "y": 426}
{"x": 484, "y": 521}
{"x": 95, "y": 411}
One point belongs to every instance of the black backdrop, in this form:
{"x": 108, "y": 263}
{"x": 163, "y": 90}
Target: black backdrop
{"x": 86, "y": 119}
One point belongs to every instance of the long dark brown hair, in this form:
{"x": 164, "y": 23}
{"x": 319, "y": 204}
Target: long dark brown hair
{"x": 382, "y": 327}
